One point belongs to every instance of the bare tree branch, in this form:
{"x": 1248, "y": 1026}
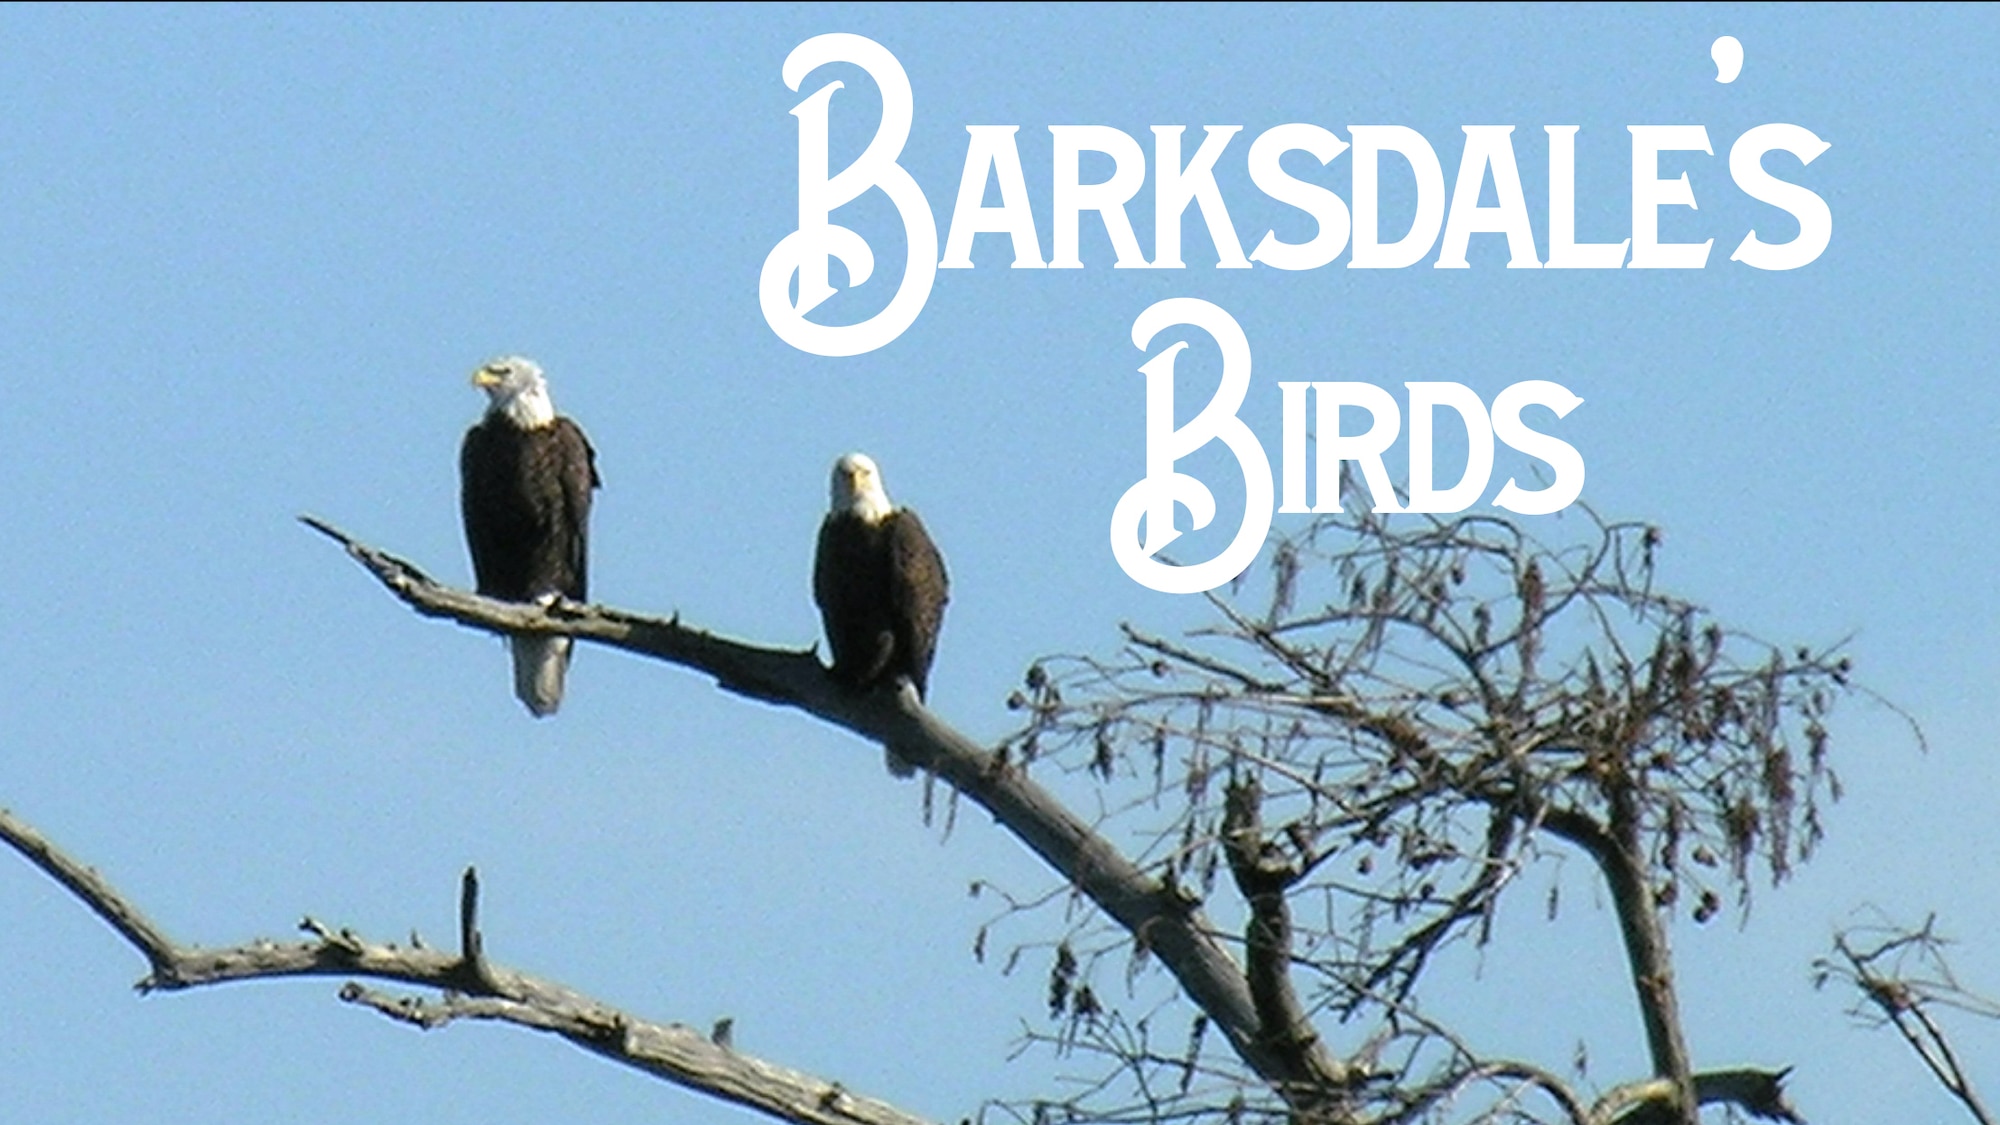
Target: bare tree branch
{"x": 1650, "y": 963}
{"x": 472, "y": 988}
{"x": 1902, "y": 975}
{"x": 1262, "y": 876}
{"x": 1159, "y": 917}
{"x": 1760, "y": 1093}
{"x": 1506, "y": 1071}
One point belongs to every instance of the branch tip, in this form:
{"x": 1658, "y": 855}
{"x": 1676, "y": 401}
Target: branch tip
{"x": 326, "y": 529}
{"x": 471, "y": 944}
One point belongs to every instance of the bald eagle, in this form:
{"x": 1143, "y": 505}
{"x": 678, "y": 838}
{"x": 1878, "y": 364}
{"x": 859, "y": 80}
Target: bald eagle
{"x": 880, "y": 586}
{"x": 525, "y": 475}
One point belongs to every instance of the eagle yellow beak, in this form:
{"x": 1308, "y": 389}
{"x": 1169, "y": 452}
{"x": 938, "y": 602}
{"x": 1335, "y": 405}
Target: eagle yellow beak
{"x": 485, "y": 377}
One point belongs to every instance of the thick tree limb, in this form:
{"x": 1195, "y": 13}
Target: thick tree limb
{"x": 1262, "y": 876}
{"x": 1760, "y": 1093}
{"x": 1650, "y": 965}
{"x": 1162, "y": 920}
{"x": 472, "y": 988}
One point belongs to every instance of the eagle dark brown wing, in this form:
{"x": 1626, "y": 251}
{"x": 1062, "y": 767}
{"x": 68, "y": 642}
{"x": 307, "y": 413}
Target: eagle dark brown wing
{"x": 918, "y": 591}
{"x": 575, "y": 469}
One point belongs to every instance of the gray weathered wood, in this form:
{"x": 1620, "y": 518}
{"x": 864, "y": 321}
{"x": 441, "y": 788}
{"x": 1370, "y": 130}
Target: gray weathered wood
{"x": 472, "y": 988}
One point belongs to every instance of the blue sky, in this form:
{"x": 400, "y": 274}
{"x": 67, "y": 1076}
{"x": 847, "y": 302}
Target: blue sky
{"x": 249, "y": 255}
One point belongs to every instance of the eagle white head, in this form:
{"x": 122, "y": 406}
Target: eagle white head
{"x": 515, "y": 387}
{"x": 857, "y": 488}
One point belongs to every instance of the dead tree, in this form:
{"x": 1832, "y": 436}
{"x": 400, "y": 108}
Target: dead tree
{"x": 1363, "y": 753}
{"x": 1406, "y": 720}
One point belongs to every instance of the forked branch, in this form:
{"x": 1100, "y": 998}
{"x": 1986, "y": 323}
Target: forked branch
{"x": 1902, "y": 979}
{"x": 470, "y": 987}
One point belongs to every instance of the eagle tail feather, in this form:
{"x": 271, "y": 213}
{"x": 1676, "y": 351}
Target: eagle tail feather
{"x": 539, "y": 667}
